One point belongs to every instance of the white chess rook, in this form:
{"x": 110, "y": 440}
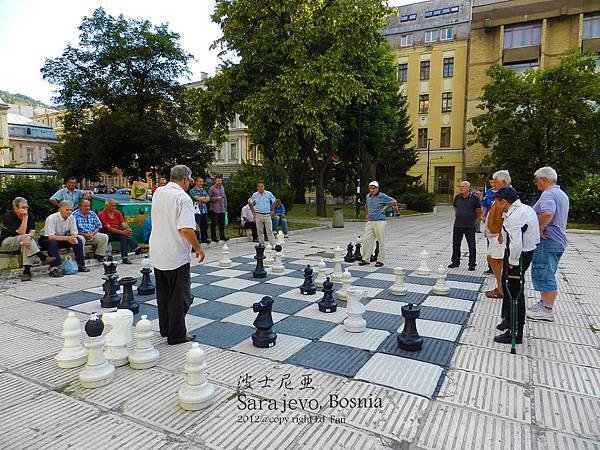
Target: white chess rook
{"x": 398, "y": 287}
{"x": 337, "y": 268}
{"x": 225, "y": 261}
{"x": 72, "y": 354}
{"x": 441, "y": 288}
{"x": 269, "y": 260}
{"x": 321, "y": 273}
{"x": 144, "y": 355}
{"x": 119, "y": 337}
{"x": 197, "y": 393}
{"x": 342, "y": 294}
{"x": 354, "y": 322}
{"x": 97, "y": 372}
{"x": 277, "y": 265}
{"x": 423, "y": 268}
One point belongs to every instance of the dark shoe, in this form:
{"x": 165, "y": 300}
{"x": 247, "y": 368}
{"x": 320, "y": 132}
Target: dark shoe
{"x": 56, "y": 273}
{"x": 187, "y": 338}
{"x": 225, "y": 239}
{"x": 378, "y": 264}
{"x": 45, "y": 259}
{"x": 363, "y": 263}
{"x": 452, "y": 265}
{"x": 100, "y": 258}
{"x": 502, "y": 326}
{"x": 26, "y": 277}
{"x": 83, "y": 269}
{"x": 488, "y": 272}
{"x": 208, "y": 241}
{"x": 471, "y": 268}
{"x": 141, "y": 251}
{"x": 255, "y": 240}
{"x": 126, "y": 261}
{"x": 505, "y": 338}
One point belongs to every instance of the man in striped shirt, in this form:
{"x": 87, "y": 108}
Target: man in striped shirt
{"x": 88, "y": 227}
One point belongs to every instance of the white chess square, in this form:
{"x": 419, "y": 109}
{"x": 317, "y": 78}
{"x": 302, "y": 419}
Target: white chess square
{"x": 90, "y": 307}
{"x": 297, "y": 295}
{"x": 382, "y": 276}
{"x": 419, "y": 288}
{"x": 448, "y": 303}
{"x": 191, "y": 323}
{"x": 216, "y": 264}
{"x": 285, "y": 347}
{"x": 227, "y": 273}
{"x": 369, "y": 339}
{"x": 195, "y": 285}
{"x": 194, "y": 274}
{"x": 385, "y": 306}
{"x": 246, "y": 299}
{"x": 285, "y": 271}
{"x": 369, "y": 268}
{"x": 369, "y": 292}
{"x": 247, "y": 317}
{"x": 312, "y": 312}
{"x": 304, "y": 262}
{"x": 286, "y": 281}
{"x": 234, "y": 283}
{"x": 198, "y": 301}
{"x": 438, "y": 330}
{"x": 463, "y": 285}
{"x": 100, "y": 291}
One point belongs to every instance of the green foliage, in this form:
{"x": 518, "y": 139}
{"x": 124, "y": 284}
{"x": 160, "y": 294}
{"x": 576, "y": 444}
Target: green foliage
{"x": 584, "y": 199}
{"x": 37, "y": 192}
{"x": 417, "y": 199}
{"x": 243, "y": 185}
{"x": 125, "y": 105}
{"x": 20, "y": 99}
{"x": 548, "y": 117}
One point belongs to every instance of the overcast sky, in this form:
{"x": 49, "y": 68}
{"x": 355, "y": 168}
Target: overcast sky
{"x": 33, "y": 30}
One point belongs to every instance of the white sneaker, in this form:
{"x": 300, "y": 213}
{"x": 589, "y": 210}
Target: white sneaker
{"x": 539, "y": 312}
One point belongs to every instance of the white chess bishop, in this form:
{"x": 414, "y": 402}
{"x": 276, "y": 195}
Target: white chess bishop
{"x": 72, "y": 354}
{"x": 196, "y": 393}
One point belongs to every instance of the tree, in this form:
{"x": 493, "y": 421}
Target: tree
{"x": 291, "y": 68}
{"x": 544, "y": 117}
{"x": 125, "y": 107}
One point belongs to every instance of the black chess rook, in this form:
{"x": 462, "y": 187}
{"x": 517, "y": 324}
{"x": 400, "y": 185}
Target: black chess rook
{"x": 308, "y": 287}
{"x": 327, "y": 304}
{"x": 264, "y": 336}
{"x": 409, "y": 339}
{"x": 259, "y": 271}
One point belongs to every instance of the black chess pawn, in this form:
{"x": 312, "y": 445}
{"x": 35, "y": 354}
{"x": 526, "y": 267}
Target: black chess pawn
{"x": 264, "y": 336}
{"x": 94, "y": 326}
{"x": 409, "y": 339}
{"x": 110, "y": 286}
{"x": 357, "y": 255}
{"x": 327, "y": 304}
{"x": 349, "y": 258}
{"x": 129, "y": 302}
{"x": 308, "y": 287}
{"x": 260, "y": 271}
{"x": 146, "y": 287}
{"x": 375, "y": 255}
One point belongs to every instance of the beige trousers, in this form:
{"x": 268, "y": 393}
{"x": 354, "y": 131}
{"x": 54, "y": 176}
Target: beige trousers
{"x": 373, "y": 230}
{"x": 264, "y": 222}
{"x": 13, "y": 243}
{"x": 100, "y": 241}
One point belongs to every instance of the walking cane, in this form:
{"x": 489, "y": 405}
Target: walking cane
{"x": 512, "y": 321}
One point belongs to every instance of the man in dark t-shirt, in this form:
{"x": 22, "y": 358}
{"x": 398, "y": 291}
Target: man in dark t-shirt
{"x": 18, "y": 231}
{"x": 467, "y": 208}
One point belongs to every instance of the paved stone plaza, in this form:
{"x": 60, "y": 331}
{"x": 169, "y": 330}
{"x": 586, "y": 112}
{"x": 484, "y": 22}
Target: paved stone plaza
{"x": 546, "y": 396}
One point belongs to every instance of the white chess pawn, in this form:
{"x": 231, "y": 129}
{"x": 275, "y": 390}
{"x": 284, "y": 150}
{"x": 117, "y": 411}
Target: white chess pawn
{"x": 277, "y": 266}
{"x": 280, "y": 238}
{"x": 269, "y": 260}
{"x": 441, "y": 288}
{"x": 144, "y": 355}
{"x": 73, "y": 354}
{"x": 337, "y": 268}
{"x": 342, "y": 294}
{"x": 354, "y": 322}
{"x": 97, "y": 372}
{"x": 321, "y": 273}
{"x": 423, "y": 268}
{"x": 225, "y": 261}
{"x": 398, "y": 287}
{"x": 197, "y": 393}
{"x": 118, "y": 338}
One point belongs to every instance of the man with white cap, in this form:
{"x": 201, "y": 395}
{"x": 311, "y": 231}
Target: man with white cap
{"x": 375, "y": 206}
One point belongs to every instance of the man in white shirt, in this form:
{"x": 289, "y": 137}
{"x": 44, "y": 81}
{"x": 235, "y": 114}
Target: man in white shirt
{"x": 247, "y": 222}
{"x": 521, "y": 234}
{"x": 172, "y": 238}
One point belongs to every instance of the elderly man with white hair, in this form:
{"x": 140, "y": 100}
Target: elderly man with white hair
{"x": 467, "y": 208}
{"x": 553, "y": 212}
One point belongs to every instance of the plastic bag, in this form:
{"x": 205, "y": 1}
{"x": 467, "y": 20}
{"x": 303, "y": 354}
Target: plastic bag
{"x": 70, "y": 266}
{"x": 226, "y": 219}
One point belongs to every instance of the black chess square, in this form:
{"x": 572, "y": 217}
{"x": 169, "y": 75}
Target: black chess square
{"x": 383, "y": 321}
{"x": 71, "y": 299}
{"x": 303, "y": 327}
{"x": 222, "y": 334}
{"x": 434, "y": 351}
{"x": 334, "y": 358}
{"x": 208, "y": 292}
{"x": 215, "y": 310}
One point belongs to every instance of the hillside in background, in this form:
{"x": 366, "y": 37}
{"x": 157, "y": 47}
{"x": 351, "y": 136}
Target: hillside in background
{"x": 20, "y": 99}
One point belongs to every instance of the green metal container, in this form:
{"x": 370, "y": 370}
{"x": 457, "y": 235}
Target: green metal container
{"x": 135, "y": 212}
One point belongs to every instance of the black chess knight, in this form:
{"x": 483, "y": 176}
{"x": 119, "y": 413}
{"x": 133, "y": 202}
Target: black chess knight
{"x": 264, "y": 336}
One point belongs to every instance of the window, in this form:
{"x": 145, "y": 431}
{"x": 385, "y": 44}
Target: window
{"x": 219, "y": 155}
{"x": 425, "y": 66}
{"x": 445, "y": 137}
{"x": 423, "y": 104}
{"x": 402, "y": 73}
{"x": 441, "y": 11}
{"x": 522, "y": 35}
{"x": 522, "y": 67}
{"x": 446, "y": 101}
{"x": 30, "y": 155}
{"x": 591, "y": 26}
{"x": 422, "y": 138}
{"x": 446, "y": 34}
{"x": 28, "y": 131}
{"x": 13, "y": 158}
{"x": 408, "y": 17}
{"x": 431, "y": 36}
{"x": 233, "y": 155}
{"x": 406, "y": 40}
{"x": 448, "y": 67}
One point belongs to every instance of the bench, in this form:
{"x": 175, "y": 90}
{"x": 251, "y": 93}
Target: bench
{"x": 237, "y": 226}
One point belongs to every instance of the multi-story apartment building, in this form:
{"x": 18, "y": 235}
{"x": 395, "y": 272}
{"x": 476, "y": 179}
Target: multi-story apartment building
{"x": 523, "y": 35}
{"x": 430, "y": 41}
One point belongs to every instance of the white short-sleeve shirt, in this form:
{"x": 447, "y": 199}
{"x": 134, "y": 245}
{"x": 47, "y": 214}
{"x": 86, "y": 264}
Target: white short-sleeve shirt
{"x": 172, "y": 210}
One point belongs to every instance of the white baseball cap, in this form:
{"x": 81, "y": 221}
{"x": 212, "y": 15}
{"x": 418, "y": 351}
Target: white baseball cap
{"x": 374, "y": 183}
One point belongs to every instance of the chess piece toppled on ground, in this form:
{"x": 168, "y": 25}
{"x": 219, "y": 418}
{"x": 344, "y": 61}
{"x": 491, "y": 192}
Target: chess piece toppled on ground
{"x": 97, "y": 372}
{"x": 143, "y": 355}
{"x": 327, "y": 304}
{"x": 196, "y": 393}
{"x": 72, "y": 354}
{"x": 398, "y": 287}
{"x": 225, "y": 260}
{"x": 264, "y": 337}
{"x": 441, "y": 288}
{"x": 423, "y": 268}
{"x": 409, "y": 339}
{"x": 354, "y": 322}
{"x": 259, "y": 271}
{"x": 342, "y": 294}
{"x": 129, "y": 302}
{"x": 308, "y": 287}
{"x": 278, "y": 265}
{"x": 146, "y": 287}
{"x": 118, "y": 338}
{"x": 321, "y": 273}
{"x": 337, "y": 267}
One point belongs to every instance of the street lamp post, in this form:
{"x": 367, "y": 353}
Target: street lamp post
{"x": 358, "y": 165}
{"x": 428, "y": 150}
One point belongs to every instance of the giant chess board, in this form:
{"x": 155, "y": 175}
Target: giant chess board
{"x": 221, "y": 316}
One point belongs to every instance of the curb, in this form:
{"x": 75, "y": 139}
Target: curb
{"x": 576, "y": 231}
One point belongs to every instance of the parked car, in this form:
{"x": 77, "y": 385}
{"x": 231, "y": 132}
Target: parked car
{"x": 123, "y": 191}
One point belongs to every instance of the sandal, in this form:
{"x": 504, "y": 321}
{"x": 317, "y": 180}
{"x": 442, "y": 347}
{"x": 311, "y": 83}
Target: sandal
{"x": 378, "y": 264}
{"x": 493, "y": 294}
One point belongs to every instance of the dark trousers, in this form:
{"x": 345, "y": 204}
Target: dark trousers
{"x": 173, "y": 301}
{"x": 127, "y": 243}
{"x": 202, "y": 221}
{"x": 514, "y": 285}
{"x": 52, "y": 248}
{"x": 252, "y": 227}
{"x": 457, "y": 235}
{"x": 214, "y": 219}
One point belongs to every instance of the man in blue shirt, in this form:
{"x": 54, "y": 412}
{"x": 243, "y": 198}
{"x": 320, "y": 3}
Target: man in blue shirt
{"x": 261, "y": 203}
{"x": 375, "y": 206}
{"x": 88, "y": 227}
{"x": 201, "y": 200}
{"x": 279, "y": 218}
{"x": 69, "y": 193}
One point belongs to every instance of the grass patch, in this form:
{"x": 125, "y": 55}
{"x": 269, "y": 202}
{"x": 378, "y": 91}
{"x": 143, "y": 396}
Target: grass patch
{"x": 583, "y": 226}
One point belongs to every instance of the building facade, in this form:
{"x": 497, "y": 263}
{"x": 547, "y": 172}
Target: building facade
{"x": 4, "y": 143}
{"x": 29, "y": 141}
{"x": 522, "y": 35}
{"x": 430, "y": 41}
